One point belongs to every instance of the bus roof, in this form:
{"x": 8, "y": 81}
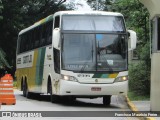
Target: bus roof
{"x": 88, "y": 13}
{"x": 50, "y": 17}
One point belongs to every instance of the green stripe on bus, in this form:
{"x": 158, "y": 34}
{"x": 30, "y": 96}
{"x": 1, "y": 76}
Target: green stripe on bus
{"x": 97, "y": 76}
{"x": 40, "y": 66}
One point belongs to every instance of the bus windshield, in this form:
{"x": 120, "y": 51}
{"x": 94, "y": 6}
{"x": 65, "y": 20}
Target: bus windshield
{"x": 94, "y": 52}
{"x": 93, "y": 23}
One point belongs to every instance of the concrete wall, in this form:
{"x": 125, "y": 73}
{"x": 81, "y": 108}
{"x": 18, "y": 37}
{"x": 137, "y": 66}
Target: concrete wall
{"x": 155, "y": 82}
{"x": 153, "y": 7}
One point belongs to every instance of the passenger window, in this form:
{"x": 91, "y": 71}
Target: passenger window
{"x": 49, "y": 32}
{"x": 42, "y": 41}
{"x": 37, "y": 37}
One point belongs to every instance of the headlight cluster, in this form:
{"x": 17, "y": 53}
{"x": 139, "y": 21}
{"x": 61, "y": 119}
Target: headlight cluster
{"x": 69, "y": 78}
{"x": 121, "y": 79}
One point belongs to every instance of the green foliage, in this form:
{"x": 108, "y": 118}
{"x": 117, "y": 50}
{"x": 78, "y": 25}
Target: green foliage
{"x": 3, "y": 61}
{"x": 139, "y": 78}
{"x": 19, "y": 14}
{"x": 145, "y": 53}
{"x": 137, "y": 18}
{"x": 139, "y": 73}
{"x": 102, "y": 4}
{"x": 15, "y": 84}
{"x": 135, "y": 97}
{"x": 1, "y": 7}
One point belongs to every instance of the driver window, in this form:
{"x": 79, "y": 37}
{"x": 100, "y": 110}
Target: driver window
{"x": 57, "y": 22}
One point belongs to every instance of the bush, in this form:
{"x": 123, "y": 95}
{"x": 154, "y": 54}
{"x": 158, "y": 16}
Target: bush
{"x": 139, "y": 73}
{"x": 139, "y": 78}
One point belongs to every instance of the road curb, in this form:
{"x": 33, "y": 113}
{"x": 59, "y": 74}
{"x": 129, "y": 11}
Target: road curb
{"x": 134, "y": 109}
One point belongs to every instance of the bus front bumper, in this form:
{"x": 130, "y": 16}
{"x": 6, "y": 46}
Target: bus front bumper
{"x": 70, "y": 88}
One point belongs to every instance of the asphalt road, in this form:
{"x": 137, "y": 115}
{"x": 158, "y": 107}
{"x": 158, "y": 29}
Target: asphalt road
{"x": 93, "y": 108}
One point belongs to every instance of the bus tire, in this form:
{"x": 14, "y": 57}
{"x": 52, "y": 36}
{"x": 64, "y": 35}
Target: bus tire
{"x": 106, "y": 100}
{"x": 69, "y": 99}
{"x": 26, "y": 93}
{"x": 53, "y": 98}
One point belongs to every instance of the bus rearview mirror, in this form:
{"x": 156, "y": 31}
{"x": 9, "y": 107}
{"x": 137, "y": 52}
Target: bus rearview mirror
{"x": 132, "y": 40}
{"x": 56, "y": 38}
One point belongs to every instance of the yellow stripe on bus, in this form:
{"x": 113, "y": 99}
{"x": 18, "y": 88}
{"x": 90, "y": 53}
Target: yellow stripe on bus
{"x": 113, "y": 75}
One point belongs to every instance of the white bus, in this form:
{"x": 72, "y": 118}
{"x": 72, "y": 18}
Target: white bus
{"x": 74, "y": 54}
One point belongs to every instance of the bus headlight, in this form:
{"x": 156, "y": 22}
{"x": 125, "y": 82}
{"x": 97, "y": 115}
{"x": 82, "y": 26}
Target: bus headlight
{"x": 121, "y": 79}
{"x": 69, "y": 78}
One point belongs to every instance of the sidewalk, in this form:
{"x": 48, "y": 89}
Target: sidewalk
{"x": 138, "y": 106}
{"x": 142, "y": 105}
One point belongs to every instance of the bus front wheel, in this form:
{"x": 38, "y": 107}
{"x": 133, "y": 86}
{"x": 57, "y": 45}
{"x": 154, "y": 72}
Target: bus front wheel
{"x": 53, "y": 98}
{"x": 107, "y": 100}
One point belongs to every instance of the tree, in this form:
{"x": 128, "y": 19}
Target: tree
{"x": 104, "y": 5}
{"x": 137, "y": 18}
{"x": 19, "y": 14}
{"x": 139, "y": 73}
{"x": 3, "y": 63}
{"x": 40, "y": 8}
{"x": 1, "y": 7}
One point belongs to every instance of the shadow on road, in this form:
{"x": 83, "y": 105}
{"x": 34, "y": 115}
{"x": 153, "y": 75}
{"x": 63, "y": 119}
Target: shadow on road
{"x": 73, "y": 103}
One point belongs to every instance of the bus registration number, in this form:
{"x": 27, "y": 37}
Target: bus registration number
{"x": 95, "y": 89}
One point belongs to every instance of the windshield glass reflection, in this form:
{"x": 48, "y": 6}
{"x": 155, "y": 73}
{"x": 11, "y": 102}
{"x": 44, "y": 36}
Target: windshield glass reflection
{"x": 94, "y": 52}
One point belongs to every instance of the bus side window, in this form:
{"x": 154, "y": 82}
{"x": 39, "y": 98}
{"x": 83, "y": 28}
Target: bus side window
{"x": 18, "y": 45}
{"x": 56, "y": 61}
{"x": 49, "y": 32}
{"x": 42, "y": 41}
{"x": 22, "y": 49}
{"x": 27, "y": 42}
{"x": 31, "y": 39}
{"x": 37, "y": 37}
{"x": 56, "y": 22}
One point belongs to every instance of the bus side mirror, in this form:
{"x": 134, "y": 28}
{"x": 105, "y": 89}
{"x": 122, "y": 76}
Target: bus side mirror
{"x": 132, "y": 41}
{"x": 56, "y": 38}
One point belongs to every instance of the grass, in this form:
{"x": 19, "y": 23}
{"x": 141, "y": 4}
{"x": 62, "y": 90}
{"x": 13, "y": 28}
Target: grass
{"x": 134, "y": 97}
{"x": 14, "y": 83}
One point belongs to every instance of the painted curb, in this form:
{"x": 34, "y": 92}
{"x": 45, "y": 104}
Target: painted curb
{"x": 134, "y": 109}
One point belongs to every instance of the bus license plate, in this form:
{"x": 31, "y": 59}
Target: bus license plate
{"x": 95, "y": 89}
